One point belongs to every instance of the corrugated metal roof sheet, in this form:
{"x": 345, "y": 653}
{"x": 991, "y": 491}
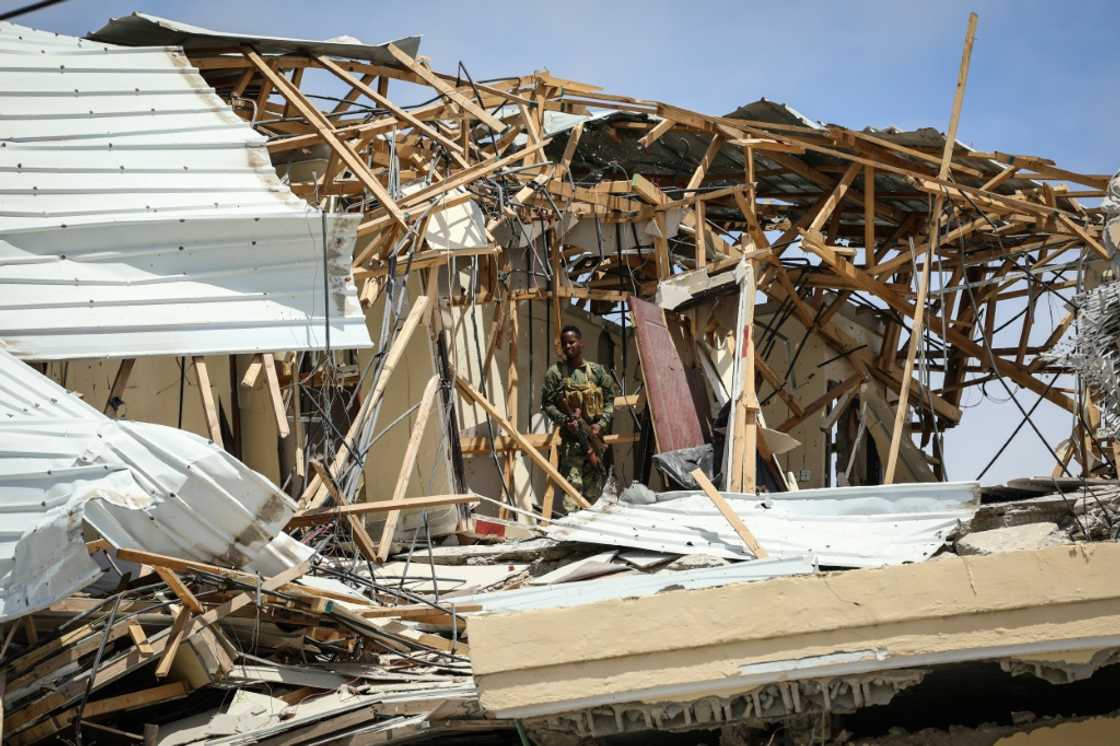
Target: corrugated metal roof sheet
{"x": 140, "y": 216}
{"x": 141, "y": 29}
{"x": 563, "y": 595}
{"x": 139, "y": 485}
{"x": 842, "y": 527}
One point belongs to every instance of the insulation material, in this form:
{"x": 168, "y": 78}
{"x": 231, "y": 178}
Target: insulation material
{"x": 141, "y": 216}
{"x": 139, "y": 485}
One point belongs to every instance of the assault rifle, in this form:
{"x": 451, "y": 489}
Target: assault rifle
{"x": 591, "y": 443}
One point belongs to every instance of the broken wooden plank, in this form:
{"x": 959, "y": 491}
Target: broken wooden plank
{"x": 180, "y": 589}
{"x": 274, "y": 394}
{"x": 534, "y": 455}
{"x": 202, "y": 378}
{"x": 419, "y": 503}
{"x": 408, "y": 462}
{"x": 119, "y": 383}
{"x": 729, "y": 513}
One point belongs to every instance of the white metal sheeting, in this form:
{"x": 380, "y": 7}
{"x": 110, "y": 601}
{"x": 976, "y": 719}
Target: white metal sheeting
{"x": 140, "y": 216}
{"x": 139, "y": 485}
{"x": 142, "y": 29}
{"x": 563, "y": 595}
{"x": 842, "y": 527}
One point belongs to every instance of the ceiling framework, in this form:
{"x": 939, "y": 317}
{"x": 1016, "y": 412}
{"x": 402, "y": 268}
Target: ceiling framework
{"x": 338, "y": 556}
{"x": 828, "y": 215}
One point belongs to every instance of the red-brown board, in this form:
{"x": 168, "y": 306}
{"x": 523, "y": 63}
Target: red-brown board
{"x": 675, "y": 421}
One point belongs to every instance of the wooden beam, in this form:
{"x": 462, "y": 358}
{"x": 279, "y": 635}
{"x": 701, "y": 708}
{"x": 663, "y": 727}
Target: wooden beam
{"x": 275, "y": 395}
{"x": 908, "y": 368}
{"x": 534, "y": 455}
{"x": 180, "y": 589}
{"x": 415, "y": 438}
{"x": 732, "y": 517}
{"x": 316, "y": 492}
{"x": 705, "y": 164}
{"x": 475, "y": 446}
{"x": 741, "y": 466}
{"x": 923, "y": 285}
{"x": 362, "y": 538}
{"x": 323, "y": 125}
{"x": 174, "y": 639}
{"x": 253, "y": 371}
{"x": 700, "y": 210}
{"x": 202, "y": 378}
{"x": 656, "y": 133}
{"x": 323, "y": 515}
{"x": 869, "y": 216}
{"x": 451, "y": 93}
{"x": 821, "y": 401}
{"x": 512, "y": 381}
{"x": 453, "y": 147}
{"x": 834, "y": 199}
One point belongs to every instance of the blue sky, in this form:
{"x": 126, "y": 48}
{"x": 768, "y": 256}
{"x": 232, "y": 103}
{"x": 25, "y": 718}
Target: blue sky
{"x": 1042, "y": 81}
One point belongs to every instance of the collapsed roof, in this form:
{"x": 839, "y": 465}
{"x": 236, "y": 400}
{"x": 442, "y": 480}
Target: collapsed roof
{"x": 143, "y": 217}
{"x": 436, "y": 587}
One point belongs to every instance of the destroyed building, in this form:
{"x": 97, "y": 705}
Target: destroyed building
{"x": 273, "y": 460}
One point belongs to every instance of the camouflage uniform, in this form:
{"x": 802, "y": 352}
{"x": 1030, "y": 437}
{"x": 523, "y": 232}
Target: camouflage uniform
{"x": 591, "y": 389}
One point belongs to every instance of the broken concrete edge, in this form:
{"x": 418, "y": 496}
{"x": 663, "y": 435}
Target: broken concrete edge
{"x": 949, "y": 609}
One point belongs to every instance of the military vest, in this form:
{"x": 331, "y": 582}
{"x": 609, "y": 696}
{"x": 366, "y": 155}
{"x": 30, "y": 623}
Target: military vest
{"x": 587, "y": 397}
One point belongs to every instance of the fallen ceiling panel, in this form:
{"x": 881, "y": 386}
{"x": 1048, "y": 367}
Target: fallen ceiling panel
{"x": 140, "y": 216}
{"x": 841, "y": 527}
{"x": 138, "y": 485}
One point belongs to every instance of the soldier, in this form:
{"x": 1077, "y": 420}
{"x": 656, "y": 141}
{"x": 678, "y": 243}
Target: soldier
{"x": 578, "y": 396}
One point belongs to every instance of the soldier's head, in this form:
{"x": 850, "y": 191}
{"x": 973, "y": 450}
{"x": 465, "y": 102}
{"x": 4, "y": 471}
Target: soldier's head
{"x": 571, "y": 343}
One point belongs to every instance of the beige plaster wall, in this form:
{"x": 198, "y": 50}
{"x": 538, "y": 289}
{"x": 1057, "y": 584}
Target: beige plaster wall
{"x": 698, "y": 640}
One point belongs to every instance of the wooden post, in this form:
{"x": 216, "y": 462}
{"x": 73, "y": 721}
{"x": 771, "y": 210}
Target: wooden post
{"x": 253, "y": 371}
{"x": 319, "y": 121}
{"x": 357, "y": 527}
{"x": 511, "y": 393}
{"x": 732, "y": 517}
{"x": 554, "y": 459}
{"x": 316, "y": 492}
{"x": 297, "y": 423}
{"x": 743, "y": 430}
{"x": 427, "y": 399}
{"x": 701, "y": 211}
{"x": 661, "y": 246}
{"x": 869, "y": 217}
{"x": 119, "y": 382}
{"x": 274, "y": 394}
{"x": 174, "y": 639}
{"x": 923, "y": 285}
{"x": 180, "y": 589}
{"x": 202, "y": 378}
